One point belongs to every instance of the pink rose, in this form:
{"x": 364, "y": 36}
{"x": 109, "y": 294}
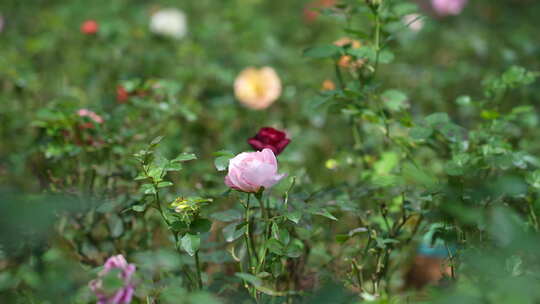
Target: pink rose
{"x": 249, "y": 171}
{"x": 124, "y": 294}
{"x": 90, "y": 114}
{"x": 448, "y": 7}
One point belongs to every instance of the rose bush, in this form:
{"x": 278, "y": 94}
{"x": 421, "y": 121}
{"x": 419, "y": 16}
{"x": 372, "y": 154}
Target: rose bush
{"x": 410, "y": 149}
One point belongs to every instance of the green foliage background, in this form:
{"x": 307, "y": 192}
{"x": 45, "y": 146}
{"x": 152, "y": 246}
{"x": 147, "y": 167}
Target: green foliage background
{"x": 471, "y": 167}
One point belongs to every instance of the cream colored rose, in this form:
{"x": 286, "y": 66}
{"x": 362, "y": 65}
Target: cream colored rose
{"x": 257, "y": 88}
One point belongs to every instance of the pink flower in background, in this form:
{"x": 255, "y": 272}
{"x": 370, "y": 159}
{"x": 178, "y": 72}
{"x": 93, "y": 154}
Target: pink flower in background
{"x": 1, "y": 23}
{"x": 448, "y": 7}
{"x": 414, "y": 22}
{"x": 92, "y": 115}
{"x": 122, "y": 295}
{"x": 89, "y": 27}
{"x": 249, "y": 171}
{"x": 311, "y": 10}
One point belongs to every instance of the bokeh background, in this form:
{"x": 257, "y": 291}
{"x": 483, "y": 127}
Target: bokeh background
{"x": 183, "y": 89}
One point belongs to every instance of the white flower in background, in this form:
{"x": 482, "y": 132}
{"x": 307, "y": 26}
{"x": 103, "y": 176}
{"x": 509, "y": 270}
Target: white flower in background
{"x": 414, "y": 22}
{"x": 169, "y": 22}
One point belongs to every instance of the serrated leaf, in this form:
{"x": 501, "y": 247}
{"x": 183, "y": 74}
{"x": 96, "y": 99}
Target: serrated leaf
{"x": 191, "y": 243}
{"x": 184, "y": 157}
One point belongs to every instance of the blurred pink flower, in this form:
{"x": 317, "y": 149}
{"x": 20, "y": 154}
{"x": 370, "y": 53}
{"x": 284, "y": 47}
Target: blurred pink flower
{"x": 92, "y": 115}
{"x": 1, "y": 23}
{"x": 89, "y": 27}
{"x": 249, "y": 171}
{"x": 414, "y": 22}
{"x": 122, "y": 295}
{"x": 448, "y": 7}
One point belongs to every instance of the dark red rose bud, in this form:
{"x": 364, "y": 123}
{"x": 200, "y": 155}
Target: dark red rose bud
{"x": 270, "y": 138}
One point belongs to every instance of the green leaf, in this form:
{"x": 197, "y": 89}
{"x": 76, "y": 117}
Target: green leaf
{"x": 464, "y": 100}
{"x": 342, "y": 238}
{"x": 294, "y": 216}
{"x": 230, "y": 233}
{"x": 156, "y": 141}
{"x": 116, "y": 226}
{"x": 365, "y": 52}
{"x": 395, "y": 100}
{"x": 295, "y": 249}
{"x": 274, "y": 246}
{"x": 148, "y": 189}
{"x": 222, "y": 160}
{"x": 325, "y": 213}
{"x": 191, "y": 243}
{"x": 420, "y": 133}
{"x": 323, "y": 51}
{"x": 436, "y": 119}
{"x": 140, "y": 177}
{"x": 200, "y": 225}
{"x": 184, "y": 157}
{"x": 179, "y": 226}
{"x": 253, "y": 280}
{"x": 138, "y": 208}
{"x": 386, "y": 56}
{"x": 164, "y": 184}
{"x": 171, "y": 167}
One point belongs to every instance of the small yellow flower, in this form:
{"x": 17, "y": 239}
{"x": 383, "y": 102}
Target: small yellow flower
{"x": 257, "y": 88}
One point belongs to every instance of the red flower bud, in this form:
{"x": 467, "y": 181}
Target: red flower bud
{"x": 89, "y": 27}
{"x": 269, "y": 138}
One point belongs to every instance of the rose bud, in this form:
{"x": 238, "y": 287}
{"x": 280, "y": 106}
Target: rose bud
{"x": 249, "y": 171}
{"x": 122, "y": 94}
{"x": 123, "y": 294}
{"x": 89, "y": 27}
{"x": 269, "y": 138}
